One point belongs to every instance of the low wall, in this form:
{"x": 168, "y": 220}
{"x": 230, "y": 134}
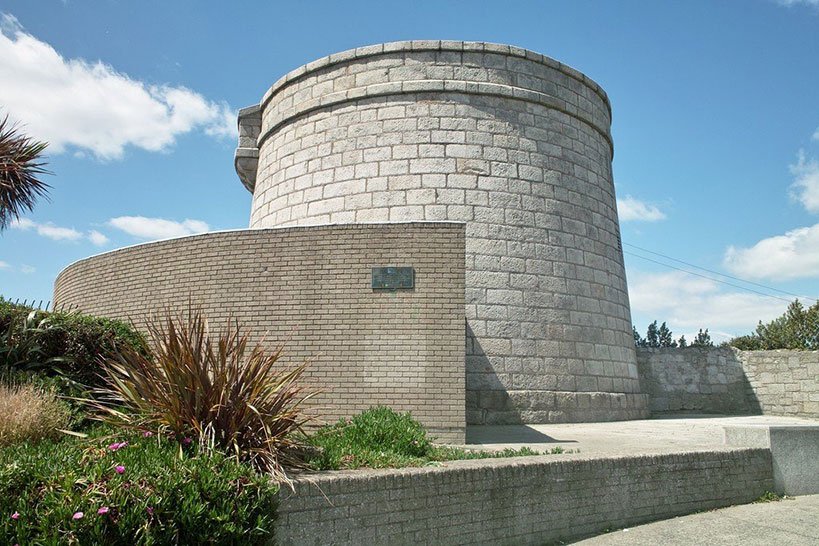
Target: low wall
{"x": 784, "y": 382}
{"x": 531, "y": 500}
{"x": 726, "y": 380}
{"x": 793, "y": 453}
{"x": 693, "y": 379}
{"x": 309, "y": 287}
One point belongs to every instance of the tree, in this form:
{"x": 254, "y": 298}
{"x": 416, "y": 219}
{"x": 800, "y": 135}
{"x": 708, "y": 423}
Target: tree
{"x": 652, "y": 335}
{"x": 797, "y": 328}
{"x": 664, "y": 336}
{"x": 682, "y": 342}
{"x": 638, "y": 340}
{"x": 703, "y": 339}
{"x": 20, "y": 168}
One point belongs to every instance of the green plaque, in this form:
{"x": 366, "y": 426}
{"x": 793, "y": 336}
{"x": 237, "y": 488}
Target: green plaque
{"x": 393, "y": 278}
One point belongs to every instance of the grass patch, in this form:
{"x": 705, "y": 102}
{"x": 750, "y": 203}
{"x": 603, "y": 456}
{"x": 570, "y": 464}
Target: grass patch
{"x": 770, "y": 496}
{"x": 382, "y": 438}
{"x": 151, "y": 490}
{"x": 30, "y": 413}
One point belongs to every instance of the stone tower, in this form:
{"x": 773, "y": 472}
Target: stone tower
{"x": 514, "y": 144}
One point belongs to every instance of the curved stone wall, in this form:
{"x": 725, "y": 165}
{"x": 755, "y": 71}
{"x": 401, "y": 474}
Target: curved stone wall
{"x": 309, "y": 288}
{"x": 513, "y": 143}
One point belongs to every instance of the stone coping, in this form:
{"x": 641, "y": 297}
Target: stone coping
{"x": 358, "y": 225}
{"x": 328, "y": 477}
{"x": 431, "y": 45}
{"x": 432, "y": 86}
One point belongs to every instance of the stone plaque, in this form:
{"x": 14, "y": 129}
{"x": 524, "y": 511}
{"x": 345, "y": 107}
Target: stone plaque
{"x": 393, "y": 278}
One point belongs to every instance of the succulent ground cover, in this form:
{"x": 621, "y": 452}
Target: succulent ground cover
{"x": 180, "y": 437}
{"x": 130, "y": 488}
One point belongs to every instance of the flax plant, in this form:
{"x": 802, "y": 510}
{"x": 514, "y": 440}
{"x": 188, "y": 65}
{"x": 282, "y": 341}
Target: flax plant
{"x": 209, "y": 387}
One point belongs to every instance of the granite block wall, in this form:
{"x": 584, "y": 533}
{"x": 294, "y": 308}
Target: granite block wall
{"x": 783, "y": 382}
{"x": 696, "y": 380}
{"x": 726, "y": 380}
{"x": 532, "y": 500}
{"x": 310, "y": 289}
{"x": 514, "y": 144}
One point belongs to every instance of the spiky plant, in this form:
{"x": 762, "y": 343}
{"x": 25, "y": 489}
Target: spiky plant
{"x": 20, "y": 169}
{"x": 208, "y": 387}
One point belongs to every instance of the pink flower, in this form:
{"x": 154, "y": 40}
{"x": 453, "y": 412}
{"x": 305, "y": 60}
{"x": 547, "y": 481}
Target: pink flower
{"x": 147, "y": 434}
{"x": 119, "y": 468}
{"x": 117, "y": 445}
{"x": 150, "y": 510}
{"x": 15, "y": 515}
{"x": 103, "y": 510}
{"x": 186, "y": 441}
{"x": 77, "y": 515}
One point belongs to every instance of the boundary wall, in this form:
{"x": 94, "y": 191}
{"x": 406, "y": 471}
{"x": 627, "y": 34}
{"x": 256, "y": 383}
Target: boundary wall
{"x": 529, "y": 500}
{"x": 727, "y": 380}
{"x": 309, "y": 288}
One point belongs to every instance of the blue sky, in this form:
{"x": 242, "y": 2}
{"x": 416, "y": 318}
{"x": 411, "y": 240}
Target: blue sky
{"x": 716, "y": 126}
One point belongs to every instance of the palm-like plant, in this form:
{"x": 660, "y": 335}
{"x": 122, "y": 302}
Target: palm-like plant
{"x": 20, "y": 169}
{"x": 211, "y": 387}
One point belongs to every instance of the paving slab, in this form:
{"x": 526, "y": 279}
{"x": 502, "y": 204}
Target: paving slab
{"x": 794, "y": 521}
{"x": 647, "y": 436}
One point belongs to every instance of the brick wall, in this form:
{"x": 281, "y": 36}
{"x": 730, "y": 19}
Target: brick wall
{"x": 532, "y": 500}
{"x": 310, "y": 289}
{"x": 725, "y": 380}
{"x": 513, "y": 143}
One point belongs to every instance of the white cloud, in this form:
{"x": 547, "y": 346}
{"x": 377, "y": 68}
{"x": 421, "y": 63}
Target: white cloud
{"x": 58, "y": 233}
{"x": 22, "y": 223}
{"x": 688, "y": 303}
{"x": 97, "y": 238}
{"x": 4, "y": 265}
{"x": 793, "y": 255}
{"x": 74, "y": 103}
{"x": 814, "y": 3}
{"x": 631, "y": 209}
{"x": 805, "y": 187}
{"x": 27, "y": 269}
{"x": 157, "y": 228}
{"x": 48, "y": 230}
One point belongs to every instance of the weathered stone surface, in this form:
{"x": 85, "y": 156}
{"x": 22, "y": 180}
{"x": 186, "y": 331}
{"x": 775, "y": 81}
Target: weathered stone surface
{"x": 513, "y": 143}
{"x": 725, "y": 380}
{"x": 530, "y": 500}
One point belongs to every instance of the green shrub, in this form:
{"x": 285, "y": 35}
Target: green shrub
{"x": 21, "y": 344}
{"x": 382, "y": 438}
{"x": 60, "y": 343}
{"x": 376, "y": 438}
{"x": 210, "y": 387}
{"x": 797, "y": 328}
{"x": 162, "y": 496}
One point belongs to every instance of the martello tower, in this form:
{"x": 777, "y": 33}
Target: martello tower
{"x": 512, "y": 143}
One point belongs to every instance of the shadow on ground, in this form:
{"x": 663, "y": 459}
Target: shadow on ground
{"x": 501, "y": 434}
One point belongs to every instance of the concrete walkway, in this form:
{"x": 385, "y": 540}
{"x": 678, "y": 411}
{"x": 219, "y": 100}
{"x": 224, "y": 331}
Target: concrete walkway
{"x": 789, "y": 522}
{"x": 647, "y": 437}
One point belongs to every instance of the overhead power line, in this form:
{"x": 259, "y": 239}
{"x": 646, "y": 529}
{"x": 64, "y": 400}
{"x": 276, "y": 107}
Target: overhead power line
{"x": 772, "y": 289}
{"x": 709, "y": 278}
